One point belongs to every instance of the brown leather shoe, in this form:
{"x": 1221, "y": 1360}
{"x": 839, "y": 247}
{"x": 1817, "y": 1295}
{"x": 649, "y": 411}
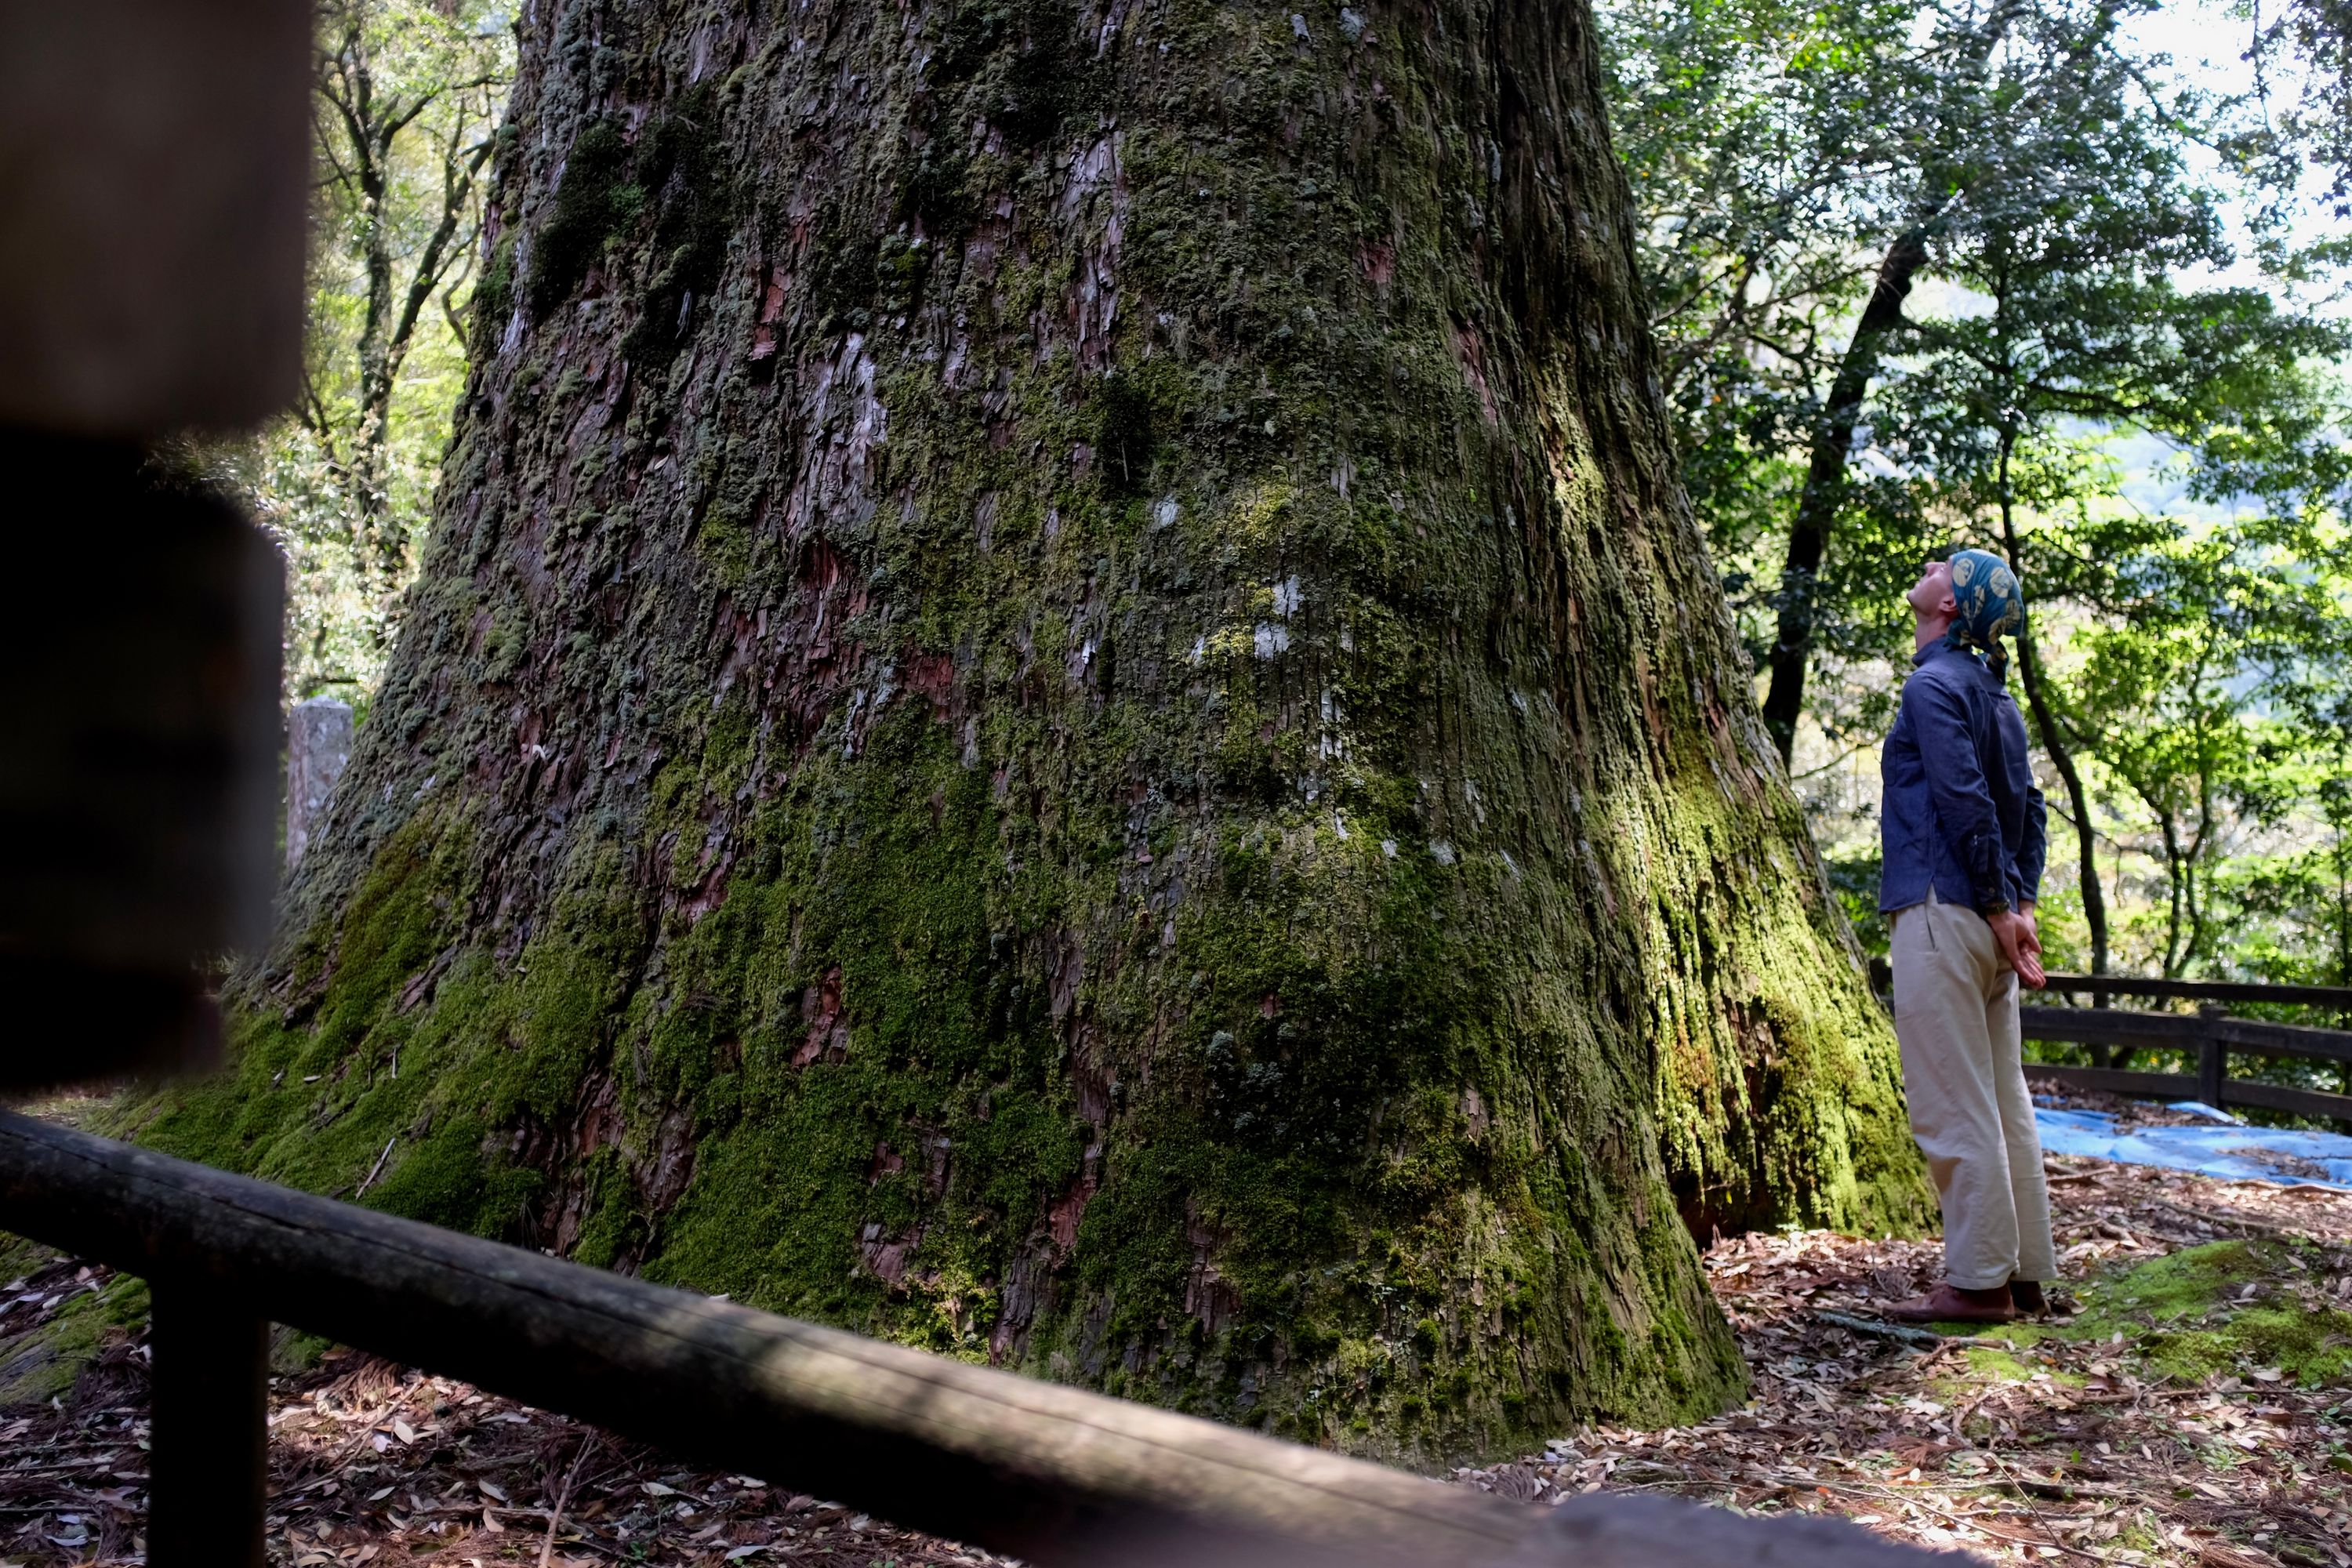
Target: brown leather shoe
{"x": 2026, "y": 1296}
{"x": 1948, "y": 1303}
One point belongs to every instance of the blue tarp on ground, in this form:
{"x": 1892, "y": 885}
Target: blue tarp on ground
{"x": 2218, "y": 1147}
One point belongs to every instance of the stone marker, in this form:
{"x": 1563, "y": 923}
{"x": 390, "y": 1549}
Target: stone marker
{"x": 318, "y": 744}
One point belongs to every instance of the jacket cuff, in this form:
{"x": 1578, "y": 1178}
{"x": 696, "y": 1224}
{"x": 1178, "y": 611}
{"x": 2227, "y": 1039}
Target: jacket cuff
{"x": 1988, "y": 878}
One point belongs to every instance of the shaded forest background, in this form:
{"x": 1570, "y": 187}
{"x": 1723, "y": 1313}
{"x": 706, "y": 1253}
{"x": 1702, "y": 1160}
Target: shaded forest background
{"x": 2022, "y": 274}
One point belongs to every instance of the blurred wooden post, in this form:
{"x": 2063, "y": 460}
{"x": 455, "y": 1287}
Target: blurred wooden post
{"x": 139, "y": 779}
{"x": 154, "y": 204}
{"x": 208, "y": 1449}
{"x": 155, "y": 213}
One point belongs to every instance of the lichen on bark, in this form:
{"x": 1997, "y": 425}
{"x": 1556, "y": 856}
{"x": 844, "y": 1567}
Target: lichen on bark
{"x": 1063, "y": 706}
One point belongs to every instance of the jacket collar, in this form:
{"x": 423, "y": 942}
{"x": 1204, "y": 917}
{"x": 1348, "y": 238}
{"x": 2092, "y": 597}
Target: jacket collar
{"x": 1940, "y": 650}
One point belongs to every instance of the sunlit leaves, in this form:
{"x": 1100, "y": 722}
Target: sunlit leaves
{"x": 2067, "y": 190}
{"x": 406, "y": 96}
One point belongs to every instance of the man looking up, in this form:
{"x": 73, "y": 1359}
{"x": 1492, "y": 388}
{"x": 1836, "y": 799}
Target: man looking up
{"x": 1963, "y": 838}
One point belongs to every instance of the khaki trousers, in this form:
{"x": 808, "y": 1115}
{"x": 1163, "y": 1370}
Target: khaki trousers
{"x": 1956, "y": 1020}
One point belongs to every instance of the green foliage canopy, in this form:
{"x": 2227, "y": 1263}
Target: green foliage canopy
{"x": 1919, "y": 278}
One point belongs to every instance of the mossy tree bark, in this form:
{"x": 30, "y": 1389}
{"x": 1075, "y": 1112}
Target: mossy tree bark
{"x": 1063, "y": 706}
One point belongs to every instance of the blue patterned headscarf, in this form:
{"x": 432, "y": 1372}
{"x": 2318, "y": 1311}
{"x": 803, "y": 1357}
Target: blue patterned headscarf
{"x": 1991, "y": 606}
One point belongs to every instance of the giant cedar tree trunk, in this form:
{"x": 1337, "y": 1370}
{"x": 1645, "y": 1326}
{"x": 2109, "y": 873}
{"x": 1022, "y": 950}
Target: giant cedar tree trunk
{"x": 1063, "y": 706}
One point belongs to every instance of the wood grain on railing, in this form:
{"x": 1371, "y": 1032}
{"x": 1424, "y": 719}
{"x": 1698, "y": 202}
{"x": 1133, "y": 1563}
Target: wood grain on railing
{"x": 1055, "y": 1474}
{"x": 2336, "y": 997}
{"x": 2178, "y": 1031}
{"x": 2183, "y": 1086}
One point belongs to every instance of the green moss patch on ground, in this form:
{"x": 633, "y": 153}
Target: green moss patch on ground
{"x": 69, "y": 1311}
{"x": 2225, "y": 1308}
{"x": 1994, "y": 1363}
{"x": 2216, "y": 1310}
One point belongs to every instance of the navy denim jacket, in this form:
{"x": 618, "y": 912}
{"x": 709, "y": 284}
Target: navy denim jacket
{"x": 1959, "y": 812}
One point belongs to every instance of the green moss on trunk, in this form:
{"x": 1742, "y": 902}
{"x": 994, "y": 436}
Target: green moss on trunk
{"x": 1063, "y": 706}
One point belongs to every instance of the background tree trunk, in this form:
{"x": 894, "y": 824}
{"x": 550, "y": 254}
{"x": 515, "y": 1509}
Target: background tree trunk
{"x": 1816, "y": 504}
{"x": 1063, "y": 705}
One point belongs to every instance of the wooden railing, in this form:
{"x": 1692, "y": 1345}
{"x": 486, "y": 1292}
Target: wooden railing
{"x": 1052, "y": 1474}
{"x": 2209, "y": 1035}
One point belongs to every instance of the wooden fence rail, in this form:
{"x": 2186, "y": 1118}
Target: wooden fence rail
{"x": 2210, "y": 1035}
{"x": 1052, "y": 1474}
{"x": 2336, "y": 996}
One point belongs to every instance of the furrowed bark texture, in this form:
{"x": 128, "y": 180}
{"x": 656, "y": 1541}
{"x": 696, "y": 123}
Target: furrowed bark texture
{"x": 1063, "y": 706}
